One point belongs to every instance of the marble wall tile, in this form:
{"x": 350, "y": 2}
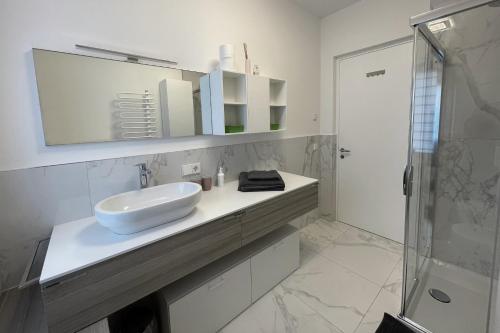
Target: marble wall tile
{"x": 266, "y": 155}
{"x": 292, "y": 155}
{"x": 470, "y": 98}
{"x": 297, "y": 155}
{"x": 108, "y": 177}
{"x": 113, "y": 176}
{"x": 467, "y": 204}
{"x": 31, "y": 202}
{"x": 468, "y": 171}
{"x": 327, "y": 188}
{"x": 302, "y": 156}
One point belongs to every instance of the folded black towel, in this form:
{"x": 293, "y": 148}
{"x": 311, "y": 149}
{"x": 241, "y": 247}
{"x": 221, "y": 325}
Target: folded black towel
{"x": 247, "y": 185}
{"x": 264, "y": 175}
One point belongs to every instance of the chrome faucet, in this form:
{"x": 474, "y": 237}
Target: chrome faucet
{"x": 144, "y": 174}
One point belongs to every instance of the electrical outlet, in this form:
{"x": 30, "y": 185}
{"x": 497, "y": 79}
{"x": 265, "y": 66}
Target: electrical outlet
{"x": 191, "y": 169}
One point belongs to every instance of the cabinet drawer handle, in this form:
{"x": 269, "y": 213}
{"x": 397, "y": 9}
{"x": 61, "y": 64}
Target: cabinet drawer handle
{"x": 277, "y": 246}
{"x": 214, "y": 284}
{"x": 240, "y": 213}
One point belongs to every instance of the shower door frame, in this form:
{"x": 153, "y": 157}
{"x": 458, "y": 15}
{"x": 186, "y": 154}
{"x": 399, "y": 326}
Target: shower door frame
{"x": 408, "y": 178}
{"x": 417, "y": 22}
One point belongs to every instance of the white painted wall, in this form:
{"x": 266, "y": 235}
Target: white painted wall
{"x": 364, "y": 24}
{"x": 283, "y": 39}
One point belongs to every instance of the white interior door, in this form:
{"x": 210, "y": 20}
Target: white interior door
{"x": 373, "y": 124}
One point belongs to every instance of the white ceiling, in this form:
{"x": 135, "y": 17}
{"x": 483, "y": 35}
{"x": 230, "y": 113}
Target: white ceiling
{"x": 322, "y": 8}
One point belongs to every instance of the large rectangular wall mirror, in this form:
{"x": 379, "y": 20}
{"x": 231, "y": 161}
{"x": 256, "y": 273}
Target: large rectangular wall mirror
{"x": 86, "y": 99}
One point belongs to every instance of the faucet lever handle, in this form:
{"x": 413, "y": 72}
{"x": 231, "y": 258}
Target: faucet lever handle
{"x": 142, "y": 166}
{"x": 144, "y": 172}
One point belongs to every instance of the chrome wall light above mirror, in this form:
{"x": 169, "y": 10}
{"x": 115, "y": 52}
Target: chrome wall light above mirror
{"x": 86, "y": 99}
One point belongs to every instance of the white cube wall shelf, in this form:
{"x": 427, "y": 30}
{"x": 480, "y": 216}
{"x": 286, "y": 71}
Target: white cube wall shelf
{"x": 246, "y": 103}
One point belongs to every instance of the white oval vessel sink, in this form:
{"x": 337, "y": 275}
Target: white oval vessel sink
{"x": 131, "y": 212}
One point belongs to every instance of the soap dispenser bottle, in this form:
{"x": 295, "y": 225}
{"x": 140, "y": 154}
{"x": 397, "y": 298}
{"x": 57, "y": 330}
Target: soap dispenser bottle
{"x": 220, "y": 177}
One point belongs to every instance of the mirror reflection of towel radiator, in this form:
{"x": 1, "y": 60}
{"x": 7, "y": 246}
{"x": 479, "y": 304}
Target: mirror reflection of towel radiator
{"x": 137, "y": 115}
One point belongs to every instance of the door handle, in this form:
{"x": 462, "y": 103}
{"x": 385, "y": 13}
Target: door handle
{"x": 343, "y": 151}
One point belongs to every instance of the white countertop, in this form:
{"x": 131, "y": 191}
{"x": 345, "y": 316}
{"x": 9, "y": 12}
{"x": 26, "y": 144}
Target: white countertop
{"x": 79, "y": 244}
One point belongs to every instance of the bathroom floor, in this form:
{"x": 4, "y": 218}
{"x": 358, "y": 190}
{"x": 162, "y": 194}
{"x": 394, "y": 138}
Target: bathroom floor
{"x": 348, "y": 278}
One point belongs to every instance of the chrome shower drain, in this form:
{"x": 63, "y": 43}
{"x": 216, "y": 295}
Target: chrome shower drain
{"x": 439, "y": 295}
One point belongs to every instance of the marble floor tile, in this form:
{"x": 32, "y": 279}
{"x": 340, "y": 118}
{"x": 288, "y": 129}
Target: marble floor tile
{"x": 306, "y": 255}
{"x": 326, "y": 296}
{"x": 339, "y": 295}
{"x": 385, "y": 302}
{"x": 279, "y": 311}
{"x": 321, "y": 234}
{"x": 371, "y": 256}
{"x": 394, "y": 283}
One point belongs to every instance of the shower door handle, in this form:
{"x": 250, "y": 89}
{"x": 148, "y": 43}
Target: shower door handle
{"x": 407, "y": 179}
{"x": 404, "y": 181}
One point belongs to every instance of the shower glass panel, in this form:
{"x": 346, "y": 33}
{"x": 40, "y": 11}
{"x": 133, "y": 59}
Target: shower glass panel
{"x": 427, "y": 85}
{"x": 452, "y": 255}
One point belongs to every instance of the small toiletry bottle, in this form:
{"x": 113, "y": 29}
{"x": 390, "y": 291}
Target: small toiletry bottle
{"x": 220, "y": 177}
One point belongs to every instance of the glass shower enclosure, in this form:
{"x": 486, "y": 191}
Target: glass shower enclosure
{"x": 450, "y": 281}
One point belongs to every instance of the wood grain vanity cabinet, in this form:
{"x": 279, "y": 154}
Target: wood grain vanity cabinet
{"x": 79, "y": 299}
{"x": 272, "y": 214}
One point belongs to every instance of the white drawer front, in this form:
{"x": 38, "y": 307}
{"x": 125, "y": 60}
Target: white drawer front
{"x": 274, "y": 264}
{"x": 212, "y": 306}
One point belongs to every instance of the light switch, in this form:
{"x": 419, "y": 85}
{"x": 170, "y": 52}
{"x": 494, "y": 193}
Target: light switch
{"x": 191, "y": 169}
